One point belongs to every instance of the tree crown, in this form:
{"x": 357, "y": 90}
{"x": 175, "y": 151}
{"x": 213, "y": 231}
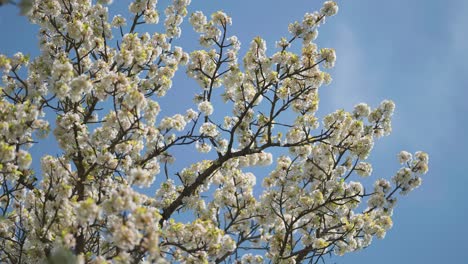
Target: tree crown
{"x": 100, "y": 79}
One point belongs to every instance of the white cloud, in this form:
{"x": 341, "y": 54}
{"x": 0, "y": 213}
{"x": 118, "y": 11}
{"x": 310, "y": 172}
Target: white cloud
{"x": 351, "y": 84}
{"x": 459, "y": 34}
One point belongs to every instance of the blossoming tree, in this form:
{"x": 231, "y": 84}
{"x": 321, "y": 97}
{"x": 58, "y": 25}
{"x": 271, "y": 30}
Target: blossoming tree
{"x": 104, "y": 98}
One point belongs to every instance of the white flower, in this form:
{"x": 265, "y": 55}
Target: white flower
{"x": 205, "y": 107}
{"x": 362, "y": 147}
{"x": 151, "y": 16}
{"x": 329, "y": 56}
{"x": 119, "y": 21}
{"x": 387, "y": 107}
{"x": 74, "y": 29}
{"x": 404, "y": 157}
{"x": 422, "y": 156}
{"x": 178, "y": 122}
{"x": 330, "y": 8}
{"x": 209, "y": 129}
{"x": 382, "y": 186}
{"x": 125, "y": 236}
{"x": 356, "y": 188}
{"x": 320, "y": 243}
{"x": 79, "y": 85}
{"x": 203, "y": 147}
{"x": 190, "y": 115}
{"x": 376, "y": 200}
{"x": 361, "y": 110}
{"x": 7, "y": 152}
{"x": 24, "y": 159}
{"x": 295, "y": 28}
{"x": 87, "y": 211}
{"x": 198, "y": 20}
{"x": 251, "y": 259}
{"x": 221, "y": 18}
{"x": 140, "y": 177}
{"x": 363, "y": 169}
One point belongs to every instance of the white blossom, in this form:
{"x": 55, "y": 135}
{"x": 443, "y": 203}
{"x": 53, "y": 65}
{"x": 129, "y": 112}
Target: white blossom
{"x": 206, "y": 108}
{"x": 330, "y": 8}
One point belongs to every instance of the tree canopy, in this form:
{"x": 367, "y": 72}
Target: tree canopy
{"x": 95, "y": 88}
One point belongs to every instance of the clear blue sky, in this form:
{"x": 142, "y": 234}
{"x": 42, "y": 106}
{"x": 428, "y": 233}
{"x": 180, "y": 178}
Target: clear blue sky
{"x": 413, "y": 52}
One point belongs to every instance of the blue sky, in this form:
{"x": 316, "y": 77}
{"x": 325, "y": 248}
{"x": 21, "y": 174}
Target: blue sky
{"x": 413, "y": 52}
